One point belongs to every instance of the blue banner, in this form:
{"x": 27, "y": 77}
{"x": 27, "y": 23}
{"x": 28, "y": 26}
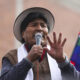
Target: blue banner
{"x": 75, "y": 58}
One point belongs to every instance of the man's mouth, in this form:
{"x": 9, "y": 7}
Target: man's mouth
{"x": 43, "y": 36}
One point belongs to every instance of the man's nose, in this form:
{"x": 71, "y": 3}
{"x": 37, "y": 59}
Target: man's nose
{"x": 39, "y": 27}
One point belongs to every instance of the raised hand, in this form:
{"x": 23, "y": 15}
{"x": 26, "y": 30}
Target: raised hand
{"x": 56, "y": 47}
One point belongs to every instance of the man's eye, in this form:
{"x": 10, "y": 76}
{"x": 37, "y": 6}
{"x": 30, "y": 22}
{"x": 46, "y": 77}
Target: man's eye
{"x": 43, "y": 25}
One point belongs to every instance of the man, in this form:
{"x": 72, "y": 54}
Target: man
{"x": 30, "y": 61}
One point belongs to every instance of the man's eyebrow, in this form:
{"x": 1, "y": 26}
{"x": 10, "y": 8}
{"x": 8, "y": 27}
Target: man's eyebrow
{"x": 39, "y": 22}
{"x": 34, "y": 22}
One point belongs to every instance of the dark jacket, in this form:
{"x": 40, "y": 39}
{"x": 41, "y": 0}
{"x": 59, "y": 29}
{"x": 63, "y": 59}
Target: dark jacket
{"x": 12, "y": 70}
{"x": 68, "y": 71}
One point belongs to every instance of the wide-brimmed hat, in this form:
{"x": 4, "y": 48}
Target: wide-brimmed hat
{"x": 17, "y": 25}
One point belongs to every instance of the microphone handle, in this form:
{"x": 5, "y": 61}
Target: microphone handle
{"x": 38, "y": 37}
{"x": 38, "y": 42}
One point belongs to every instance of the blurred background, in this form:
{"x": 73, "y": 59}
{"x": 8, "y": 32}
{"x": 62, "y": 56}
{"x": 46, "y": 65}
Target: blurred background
{"x": 67, "y": 21}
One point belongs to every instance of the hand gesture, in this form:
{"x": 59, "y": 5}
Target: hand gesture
{"x": 56, "y": 48}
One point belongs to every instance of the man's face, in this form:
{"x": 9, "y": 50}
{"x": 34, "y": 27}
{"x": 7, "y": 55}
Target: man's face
{"x": 32, "y": 28}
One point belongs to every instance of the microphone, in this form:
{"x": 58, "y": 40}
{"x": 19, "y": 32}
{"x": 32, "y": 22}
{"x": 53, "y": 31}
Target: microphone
{"x": 38, "y": 38}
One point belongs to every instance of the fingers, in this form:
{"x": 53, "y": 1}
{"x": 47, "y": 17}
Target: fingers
{"x": 50, "y": 52}
{"x": 38, "y": 51}
{"x": 37, "y": 47}
{"x": 54, "y": 37}
{"x": 49, "y": 40}
{"x": 55, "y": 41}
{"x": 63, "y": 42}
{"x": 60, "y": 37}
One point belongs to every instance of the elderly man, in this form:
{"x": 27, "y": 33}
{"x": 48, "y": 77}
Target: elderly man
{"x": 32, "y": 61}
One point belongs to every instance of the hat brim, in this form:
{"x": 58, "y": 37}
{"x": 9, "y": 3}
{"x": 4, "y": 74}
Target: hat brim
{"x": 17, "y": 24}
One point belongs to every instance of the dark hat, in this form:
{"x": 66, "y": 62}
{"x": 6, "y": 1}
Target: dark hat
{"x": 17, "y": 25}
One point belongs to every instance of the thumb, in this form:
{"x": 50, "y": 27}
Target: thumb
{"x": 49, "y": 52}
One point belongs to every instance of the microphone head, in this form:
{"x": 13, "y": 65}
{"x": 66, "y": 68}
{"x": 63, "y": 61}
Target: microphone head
{"x": 38, "y": 38}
